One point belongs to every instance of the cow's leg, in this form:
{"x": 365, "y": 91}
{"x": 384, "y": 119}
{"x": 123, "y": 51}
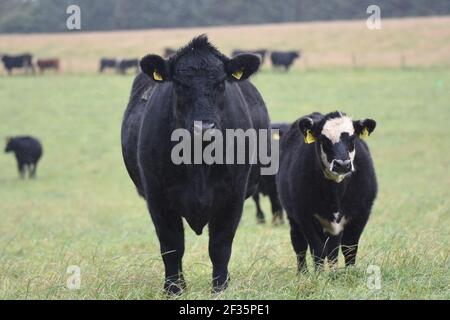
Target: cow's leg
{"x": 21, "y": 169}
{"x": 350, "y": 240}
{"x": 222, "y": 228}
{"x": 332, "y": 247}
{"x": 315, "y": 241}
{"x": 300, "y": 245}
{"x": 277, "y": 209}
{"x": 32, "y": 168}
{"x": 170, "y": 231}
{"x": 259, "y": 213}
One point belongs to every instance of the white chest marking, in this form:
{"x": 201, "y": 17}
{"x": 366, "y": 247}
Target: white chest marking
{"x": 332, "y": 227}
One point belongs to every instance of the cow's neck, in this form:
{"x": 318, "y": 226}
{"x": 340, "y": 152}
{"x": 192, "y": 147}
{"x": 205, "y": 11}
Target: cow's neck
{"x": 332, "y": 191}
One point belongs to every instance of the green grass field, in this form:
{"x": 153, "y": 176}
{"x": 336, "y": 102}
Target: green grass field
{"x": 83, "y": 209}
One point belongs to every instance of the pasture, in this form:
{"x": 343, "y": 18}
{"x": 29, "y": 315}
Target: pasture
{"x": 83, "y": 209}
{"x": 411, "y": 42}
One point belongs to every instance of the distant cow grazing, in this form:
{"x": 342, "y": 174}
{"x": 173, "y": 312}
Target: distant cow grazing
{"x": 107, "y": 63}
{"x": 125, "y": 64}
{"x": 198, "y": 83}
{"x": 267, "y": 185}
{"x": 28, "y": 151}
{"x": 44, "y": 64}
{"x": 284, "y": 59}
{"x": 260, "y": 52}
{"x": 24, "y": 61}
{"x": 327, "y": 185}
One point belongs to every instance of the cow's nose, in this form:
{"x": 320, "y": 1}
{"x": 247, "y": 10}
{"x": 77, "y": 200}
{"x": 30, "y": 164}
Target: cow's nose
{"x": 342, "y": 166}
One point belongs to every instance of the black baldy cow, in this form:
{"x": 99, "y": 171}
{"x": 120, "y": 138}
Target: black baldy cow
{"x": 268, "y": 186}
{"x": 198, "y": 83}
{"x": 28, "y": 151}
{"x": 327, "y": 185}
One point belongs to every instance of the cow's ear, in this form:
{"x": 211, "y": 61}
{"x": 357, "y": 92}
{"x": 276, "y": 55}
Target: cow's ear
{"x": 155, "y": 67}
{"x": 306, "y": 126}
{"x": 242, "y": 66}
{"x": 363, "y": 128}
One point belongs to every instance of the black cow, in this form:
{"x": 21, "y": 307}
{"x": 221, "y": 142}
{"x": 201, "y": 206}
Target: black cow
{"x": 268, "y": 187}
{"x": 327, "y": 185}
{"x": 17, "y": 62}
{"x": 197, "y": 84}
{"x": 284, "y": 59}
{"x": 107, "y": 63}
{"x": 28, "y": 151}
{"x": 260, "y": 52}
{"x": 125, "y": 64}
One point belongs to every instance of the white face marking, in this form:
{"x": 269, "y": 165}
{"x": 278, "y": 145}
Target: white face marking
{"x": 332, "y": 227}
{"x": 333, "y": 128}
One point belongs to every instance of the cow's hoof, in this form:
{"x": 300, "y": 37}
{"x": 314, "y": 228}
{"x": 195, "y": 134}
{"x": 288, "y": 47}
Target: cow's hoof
{"x": 219, "y": 287}
{"x": 175, "y": 288}
{"x": 277, "y": 218}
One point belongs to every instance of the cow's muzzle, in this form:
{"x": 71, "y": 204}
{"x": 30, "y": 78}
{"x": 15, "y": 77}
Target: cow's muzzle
{"x": 341, "y": 166}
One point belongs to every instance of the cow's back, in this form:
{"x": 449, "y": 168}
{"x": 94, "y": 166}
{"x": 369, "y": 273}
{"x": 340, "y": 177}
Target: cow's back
{"x": 29, "y": 149}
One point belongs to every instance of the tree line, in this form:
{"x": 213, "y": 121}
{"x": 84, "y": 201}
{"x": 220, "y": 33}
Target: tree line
{"x": 23, "y": 16}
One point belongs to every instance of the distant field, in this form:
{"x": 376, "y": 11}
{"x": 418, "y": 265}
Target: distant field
{"x": 83, "y": 209}
{"x": 411, "y": 42}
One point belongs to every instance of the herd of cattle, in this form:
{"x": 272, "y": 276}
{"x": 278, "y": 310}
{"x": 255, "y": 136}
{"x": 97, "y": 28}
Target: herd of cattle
{"x": 25, "y": 61}
{"x": 280, "y": 59}
{"x": 326, "y": 180}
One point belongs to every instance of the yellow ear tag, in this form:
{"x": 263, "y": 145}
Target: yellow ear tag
{"x": 309, "y": 138}
{"x": 364, "y": 134}
{"x": 157, "y": 76}
{"x": 238, "y": 74}
{"x": 276, "y": 136}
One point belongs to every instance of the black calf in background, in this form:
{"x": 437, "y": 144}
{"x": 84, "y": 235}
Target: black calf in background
{"x": 28, "y": 151}
{"x": 268, "y": 187}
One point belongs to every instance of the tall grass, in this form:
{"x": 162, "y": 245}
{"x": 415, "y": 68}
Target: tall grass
{"x": 83, "y": 209}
